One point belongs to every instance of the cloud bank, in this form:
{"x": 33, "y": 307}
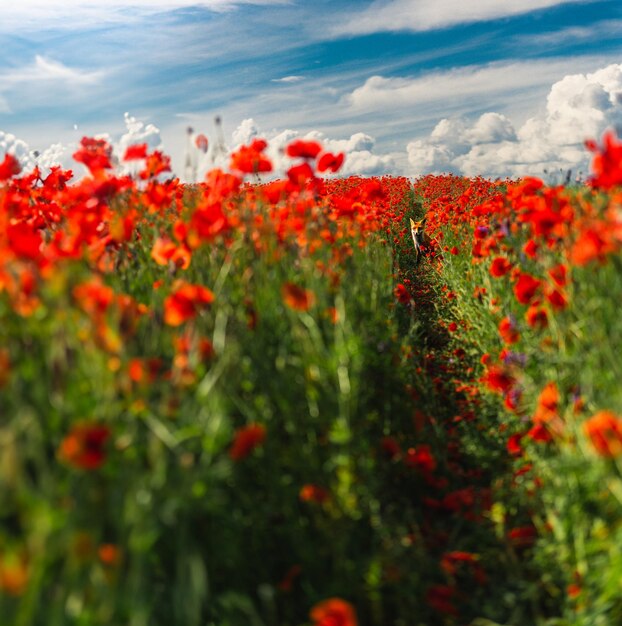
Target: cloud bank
{"x": 362, "y": 158}
{"x": 578, "y": 107}
{"x": 60, "y": 154}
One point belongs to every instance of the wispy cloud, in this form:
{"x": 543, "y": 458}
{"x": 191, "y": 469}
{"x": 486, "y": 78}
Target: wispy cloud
{"x": 422, "y": 15}
{"x": 606, "y": 29}
{"x": 476, "y": 84}
{"x": 43, "y": 69}
{"x": 287, "y": 79}
{"x": 75, "y": 13}
{"x": 45, "y": 84}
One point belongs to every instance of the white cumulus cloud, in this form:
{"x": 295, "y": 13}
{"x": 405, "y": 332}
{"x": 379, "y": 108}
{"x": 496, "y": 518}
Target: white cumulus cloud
{"x": 578, "y": 107}
{"x": 61, "y": 154}
{"x": 361, "y": 156}
{"x": 10, "y": 144}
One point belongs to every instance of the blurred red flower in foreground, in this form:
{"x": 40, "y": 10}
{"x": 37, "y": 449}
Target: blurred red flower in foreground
{"x": 330, "y": 161}
{"x": 536, "y": 317}
{"x": 313, "y": 493}
{"x": 156, "y": 164}
{"x": 135, "y": 152}
{"x": 522, "y": 536}
{"x": 526, "y": 288}
{"x": 246, "y": 439}
{"x": 83, "y": 447}
{"x": 297, "y": 298}
{"x": 303, "y": 149}
{"x": 14, "y": 573}
{"x": 9, "y": 167}
{"x": 333, "y": 612}
{"x": 498, "y": 378}
{"x": 250, "y": 159}
{"x": 508, "y": 331}
{"x": 605, "y": 431}
{"x": 500, "y": 266}
{"x": 96, "y": 154}
{"x": 607, "y": 163}
{"x": 109, "y": 554}
{"x": 185, "y": 302}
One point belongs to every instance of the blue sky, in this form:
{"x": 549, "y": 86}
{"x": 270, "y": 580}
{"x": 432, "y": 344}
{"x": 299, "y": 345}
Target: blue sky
{"x": 389, "y": 69}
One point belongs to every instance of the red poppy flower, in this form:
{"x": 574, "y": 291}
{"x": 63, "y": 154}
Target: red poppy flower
{"x": 245, "y": 440}
{"x": 605, "y": 432}
{"x": 536, "y": 317}
{"x": 559, "y": 274}
{"x": 185, "y": 302}
{"x": 201, "y": 143}
{"x": 14, "y": 573}
{"x": 84, "y": 446}
{"x": 421, "y": 458}
{"x": 548, "y": 401}
{"x": 250, "y": 159}
{"x": 508, "y": 331}
{"x": 93, "y": 296}
{"x": 402, "y": 294}
{"x": 330, "y": 161}
{"x": 9, "y": 167}
{"x": 333, "y": 612}
{"x": 303, "y": 149}
{"x": 499, "y": 379}
{"x": 531, "y": 249}
{"x": 450, "y": 560}
{"x": 592, "y": 244}
{"x": 500, "y": 266}
{"x": 297, "y": 298}
{"x": 557, "y": 299}
{"x": 513, "y": 446}
{"x": 526, "y": 288}
{"x": 164, "y": 250}
{"x": 522, "y": 536}
{"x": 540, "y": 433}
{"x": 313, "y": 493}
{"x": 24, "y": 240}
{"x": 607, "y": 163}
{"x": 96, "y": 154}
{"x": 135, "y": 152}
{"x": 300, "y": 174}
{"x": 157, "y": 163}
{"x": 109, "y": 554}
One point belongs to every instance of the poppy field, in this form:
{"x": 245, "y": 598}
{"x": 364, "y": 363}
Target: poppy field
{"x": 251, "y": 403}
